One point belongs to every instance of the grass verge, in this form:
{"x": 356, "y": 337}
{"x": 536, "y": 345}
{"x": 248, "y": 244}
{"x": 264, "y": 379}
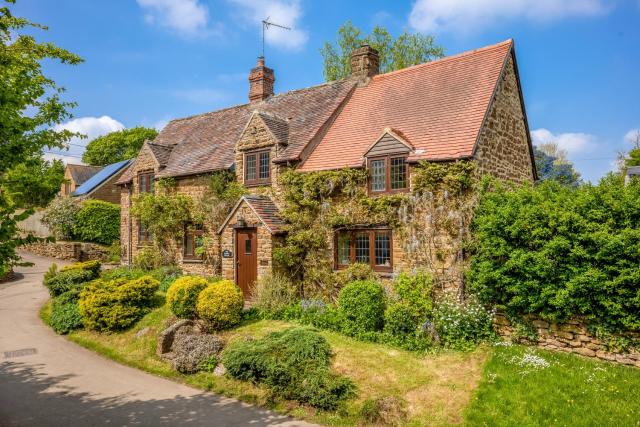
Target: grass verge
{"x": 435, "y": 389}
{"x": 530, "y": 387}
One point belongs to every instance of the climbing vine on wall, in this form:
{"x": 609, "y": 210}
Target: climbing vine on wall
{"x": 435, "y": 220}
{"x": 315, "y": 205}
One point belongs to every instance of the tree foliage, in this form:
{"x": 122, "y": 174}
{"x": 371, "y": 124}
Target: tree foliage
{"x": 117, "y": 146}
{"x": 552, "y": 164}
{"x": 31, "y": 106}
{"x": 401, "y": 52}
{"x": 33, "y": 183}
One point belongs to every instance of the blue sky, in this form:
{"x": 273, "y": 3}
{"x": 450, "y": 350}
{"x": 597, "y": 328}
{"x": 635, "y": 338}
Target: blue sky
{"x": 148, "y": 61}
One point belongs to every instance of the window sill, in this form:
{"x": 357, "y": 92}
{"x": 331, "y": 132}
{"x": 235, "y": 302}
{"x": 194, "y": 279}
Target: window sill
{"x": 257, "y": 184}
{"x": 192, "y": 261}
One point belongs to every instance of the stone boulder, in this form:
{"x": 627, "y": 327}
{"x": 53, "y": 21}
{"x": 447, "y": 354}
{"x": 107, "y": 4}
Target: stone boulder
{"x": 189, "y": 351}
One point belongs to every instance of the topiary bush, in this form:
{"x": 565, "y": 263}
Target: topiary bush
{"x": 221, "y": 304}
{"x": 293, "y": 363}
{"x": 97, "y": 221}
{"x": 107, "y": 305}
{"x": 183, "y": 294}
{"x": 362, "y": 304}
{"x": 65, "y": 315}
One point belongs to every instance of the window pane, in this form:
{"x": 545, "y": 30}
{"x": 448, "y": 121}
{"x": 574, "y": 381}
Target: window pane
{"x": 250, "y": 167}
{"x": 264, "y": 165}
{"x": 383, "y": 249}
{"x": 362, "y": 248}
{"x": 344, "y": 246}
{"x": 378, "y": 175}
{"x": 142, "y": 186}
{"x": 247, "y": 247}
{"x": 150, "y": 183}
{"x": 398, "y": 173}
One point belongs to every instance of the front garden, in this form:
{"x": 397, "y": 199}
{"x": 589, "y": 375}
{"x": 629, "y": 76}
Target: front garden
{"x": 365, "y": 359}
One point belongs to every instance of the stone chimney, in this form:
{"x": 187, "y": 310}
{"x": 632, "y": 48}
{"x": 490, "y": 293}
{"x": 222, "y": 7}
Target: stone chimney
{"x": 261, "y": 81}
{"x": 365, "y": 62}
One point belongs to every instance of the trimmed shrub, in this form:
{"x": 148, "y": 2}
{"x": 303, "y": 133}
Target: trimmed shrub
{"x": 272, "y": 293}
{"x": 193, "y": 352}
{"x": 98, "y": 221}
{"x": 221, "y": 304}
{"x": 183, "y": 294}
{"x": 122, "y": 273}
{"x": 93, "y": 266}
{"x": 362, "y": 303}
{"x": 68, "y": 280}
{"x": 107, "y": 305}
{"x": 65, "y": 316}
{"x": 293, "y": 363}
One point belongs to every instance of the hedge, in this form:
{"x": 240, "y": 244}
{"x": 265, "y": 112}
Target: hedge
{"x": 560, "y": 252}
{"x": 97, "y": 221}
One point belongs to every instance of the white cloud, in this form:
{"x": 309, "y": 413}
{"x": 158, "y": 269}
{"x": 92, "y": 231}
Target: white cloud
{"x": 467, "y": 15}
{"x": 632, "y": 135}
{"x": 282, "y": 12}
{"x": 573, "y": 143}
{"x": 92, "y": 127}
{"x": 188, "y": 18}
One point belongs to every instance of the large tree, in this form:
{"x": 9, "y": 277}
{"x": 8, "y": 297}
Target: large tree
{"x": 403, "y": 51}
{"x": 117, "y": 146}
{"x": 33, "y": 183}
{"x": 552, "y": 164}
{"x": 30, "y": 106}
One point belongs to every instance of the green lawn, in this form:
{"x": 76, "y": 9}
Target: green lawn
{"x": 570, "y": 391}
{"x": 489, "y": 386}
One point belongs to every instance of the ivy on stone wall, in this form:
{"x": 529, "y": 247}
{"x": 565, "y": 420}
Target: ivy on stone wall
{"x": 316, "y": 204}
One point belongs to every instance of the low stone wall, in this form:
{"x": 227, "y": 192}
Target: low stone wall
{"x": 69, "y": 251}
{"x": 570, "y": 337}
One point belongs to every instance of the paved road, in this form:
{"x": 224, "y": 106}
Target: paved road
{"x": 46, "y": 380}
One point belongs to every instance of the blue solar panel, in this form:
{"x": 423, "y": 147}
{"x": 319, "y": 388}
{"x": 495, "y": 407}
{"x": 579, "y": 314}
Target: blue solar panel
{"x": 97, "y": 179}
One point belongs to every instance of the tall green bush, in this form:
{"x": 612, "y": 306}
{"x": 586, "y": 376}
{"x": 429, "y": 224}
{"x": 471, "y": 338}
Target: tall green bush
{"x": 560, "y": 252}
{"x": 98, "y": 221}
{"x": 362, "y": 303}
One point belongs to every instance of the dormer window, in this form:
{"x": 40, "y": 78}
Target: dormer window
{"x": 145, "y": 182}
{"x": 257, "y": 167}
{"x": 388, "y": 174}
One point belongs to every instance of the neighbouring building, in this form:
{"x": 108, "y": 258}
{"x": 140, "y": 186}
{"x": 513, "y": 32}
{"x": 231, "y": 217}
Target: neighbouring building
{"x": 467, "y": 106}
{"x": 75, "y": 176}
{"x": 94, "y": 182}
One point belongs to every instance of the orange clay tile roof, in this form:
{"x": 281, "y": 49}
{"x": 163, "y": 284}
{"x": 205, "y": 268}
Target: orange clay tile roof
{"x": 439, "y": 107}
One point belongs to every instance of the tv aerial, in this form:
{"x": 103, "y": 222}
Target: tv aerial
{"x": 265, "y": 26}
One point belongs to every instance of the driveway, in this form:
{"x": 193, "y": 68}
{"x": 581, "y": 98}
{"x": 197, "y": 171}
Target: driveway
{"x": 46, "y": 380}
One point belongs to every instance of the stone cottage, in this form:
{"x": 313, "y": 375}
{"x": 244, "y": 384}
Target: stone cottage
{"x": 467, "y": 106}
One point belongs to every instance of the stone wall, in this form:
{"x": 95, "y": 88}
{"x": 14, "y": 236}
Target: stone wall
{"x": 69, "y": 251}
{"x": 569, "y": 337}
{"x": 503, "y": 147}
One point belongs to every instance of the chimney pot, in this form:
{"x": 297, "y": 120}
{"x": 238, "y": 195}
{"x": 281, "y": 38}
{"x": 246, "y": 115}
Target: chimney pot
{"x": 365, "y": 62}
{"x": 261, "y": 79}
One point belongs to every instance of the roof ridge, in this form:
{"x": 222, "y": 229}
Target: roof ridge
{"x": 445, "y": 59}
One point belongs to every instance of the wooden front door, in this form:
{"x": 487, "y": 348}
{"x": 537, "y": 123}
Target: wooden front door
{"x": 246, "y": 259}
